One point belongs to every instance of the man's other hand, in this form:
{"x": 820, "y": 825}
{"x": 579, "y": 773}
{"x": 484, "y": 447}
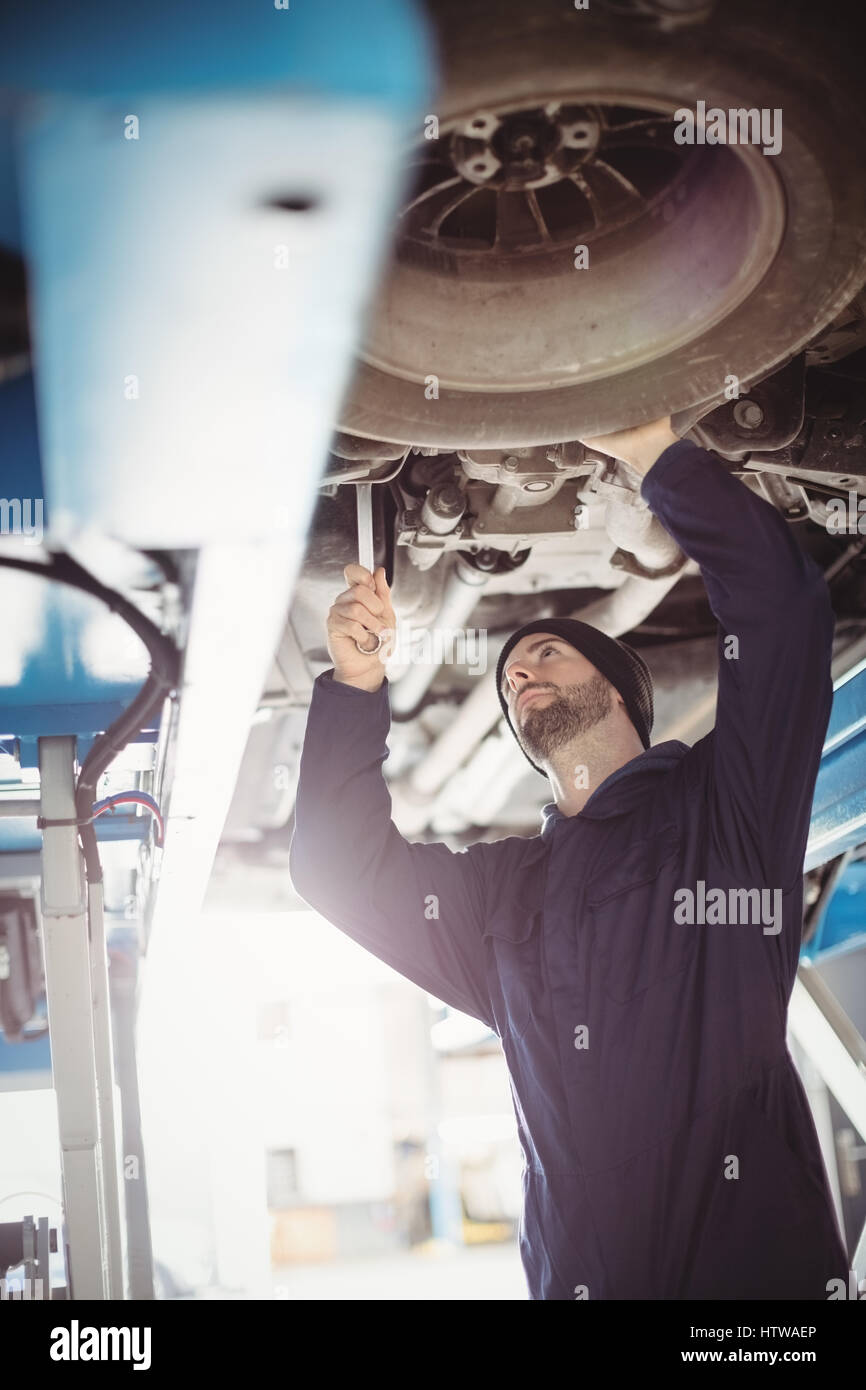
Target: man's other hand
{"x": 638, "y": 447}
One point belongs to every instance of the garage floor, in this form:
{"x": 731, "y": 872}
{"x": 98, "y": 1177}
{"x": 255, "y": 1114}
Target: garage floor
{"x": 488, "y": 1274}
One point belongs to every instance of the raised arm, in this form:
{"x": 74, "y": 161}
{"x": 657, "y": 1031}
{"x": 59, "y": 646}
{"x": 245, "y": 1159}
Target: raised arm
{"x": 775, "y": 646}
{"x": 419, "y": 907}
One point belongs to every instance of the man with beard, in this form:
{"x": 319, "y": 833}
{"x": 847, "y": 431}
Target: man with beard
{"x": 669, "y": 1150}
{"x": 570, "y": 716}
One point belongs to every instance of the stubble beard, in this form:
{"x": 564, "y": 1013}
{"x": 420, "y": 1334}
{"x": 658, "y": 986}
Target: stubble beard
{"x": 568, "y": 712}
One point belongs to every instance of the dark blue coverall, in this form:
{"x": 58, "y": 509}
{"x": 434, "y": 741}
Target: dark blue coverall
{"x": 644, "y": 1054}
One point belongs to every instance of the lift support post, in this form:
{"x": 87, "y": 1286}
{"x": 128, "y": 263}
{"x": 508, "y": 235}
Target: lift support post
{"x": 76, "y": 988}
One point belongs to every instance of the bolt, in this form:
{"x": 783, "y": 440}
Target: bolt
{"x": 480, "y": 526}
{"x": 511, "y": 463}
{"x": 834, "y": 433}
{"x": 748, "y": 414}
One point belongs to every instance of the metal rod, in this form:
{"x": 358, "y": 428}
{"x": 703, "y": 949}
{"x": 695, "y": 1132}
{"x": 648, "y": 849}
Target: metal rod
{"x": 139, "y": 1250}
{"x": 365, "y": 525}
{"x": 105, "y": 1088}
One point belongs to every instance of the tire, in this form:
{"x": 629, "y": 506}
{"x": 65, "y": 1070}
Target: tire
{"x": 728, "y": 271}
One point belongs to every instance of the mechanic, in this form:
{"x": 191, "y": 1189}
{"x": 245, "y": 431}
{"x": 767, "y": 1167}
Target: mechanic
{"x": 669, "y": 1149}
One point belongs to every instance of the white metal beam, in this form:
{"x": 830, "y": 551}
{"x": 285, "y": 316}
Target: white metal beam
{"x": 70, "y": 1020}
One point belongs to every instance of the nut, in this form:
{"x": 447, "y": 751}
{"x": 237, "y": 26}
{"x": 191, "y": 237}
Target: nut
{"x": 748, "y": 414}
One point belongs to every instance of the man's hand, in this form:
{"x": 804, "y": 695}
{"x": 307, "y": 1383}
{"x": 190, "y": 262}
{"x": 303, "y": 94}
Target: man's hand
{"x": 364, "y": 612}
{"x": 639, "y": 447}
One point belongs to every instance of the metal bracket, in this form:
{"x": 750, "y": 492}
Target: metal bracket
{"x": 768, "y": 416}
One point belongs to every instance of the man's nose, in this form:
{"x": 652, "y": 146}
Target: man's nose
{"x": 520, "y": 676}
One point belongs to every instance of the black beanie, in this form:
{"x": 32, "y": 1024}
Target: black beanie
{"x": 626, "y": 671}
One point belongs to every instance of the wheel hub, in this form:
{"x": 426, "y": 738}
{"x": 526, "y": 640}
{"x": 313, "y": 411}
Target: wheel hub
{"x": 526, "y": 150}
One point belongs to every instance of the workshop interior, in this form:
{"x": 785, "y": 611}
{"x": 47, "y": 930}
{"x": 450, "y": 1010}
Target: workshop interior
{"x": 276, "y": 282}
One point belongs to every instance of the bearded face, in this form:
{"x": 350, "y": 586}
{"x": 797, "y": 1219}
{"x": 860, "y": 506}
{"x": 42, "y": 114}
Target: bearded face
{"x": 559, "y": 714}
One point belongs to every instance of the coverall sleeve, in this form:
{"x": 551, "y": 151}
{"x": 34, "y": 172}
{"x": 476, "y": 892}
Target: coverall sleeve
{"x": 775, "y": 690}
{"x": 418, "y": 907}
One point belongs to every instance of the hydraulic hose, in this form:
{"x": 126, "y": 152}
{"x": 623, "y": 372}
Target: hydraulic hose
{"x": 161, "y": 680}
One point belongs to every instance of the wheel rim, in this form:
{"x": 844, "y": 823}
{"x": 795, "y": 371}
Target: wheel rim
{"x": 530, "y": 180}
{"x": 484, "y": 291}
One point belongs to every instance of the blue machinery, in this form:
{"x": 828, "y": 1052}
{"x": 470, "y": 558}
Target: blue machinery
{"x": 827, "y": 1016}
{"x": 201, "y": 196}
{"x": 839, "y": 807}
